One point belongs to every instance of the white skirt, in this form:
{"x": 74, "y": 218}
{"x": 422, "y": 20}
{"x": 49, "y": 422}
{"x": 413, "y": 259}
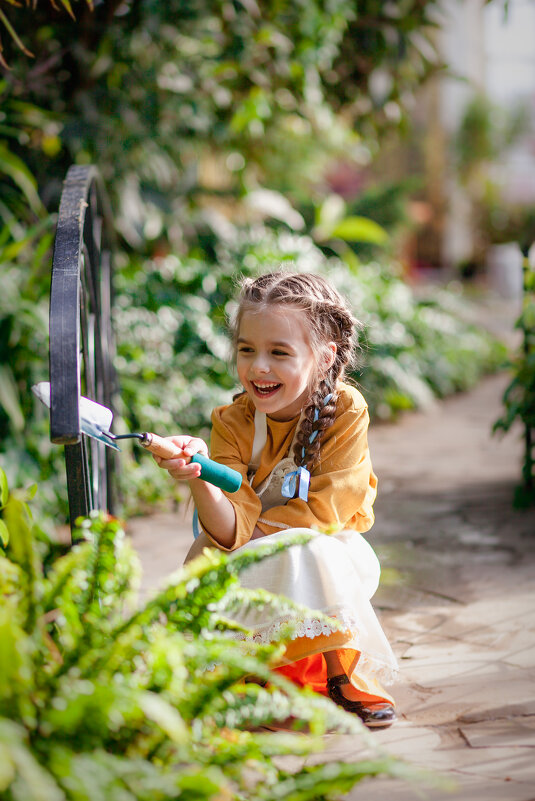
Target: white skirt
{"x": 335, "y": 574}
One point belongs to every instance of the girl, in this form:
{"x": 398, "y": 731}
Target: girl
{"x": 298, "y": 435}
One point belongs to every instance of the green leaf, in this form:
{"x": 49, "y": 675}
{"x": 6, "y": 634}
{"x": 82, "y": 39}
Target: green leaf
{"x": 23, "y": 551}
{"x": 33, "y": 782}
{"x": 4, "y": 489}
{"x": 15, "y": 669}
{"x": 10, "y": 578}
{"x": 330, "y": 212}
{"x": 158, "y": 710}
{"x": 67, "y": 6}
{"x": 9, "y": 397}
{"x": 14, "y": 35}
{"x": 26, "y": 494}
{"x": 17, "y": 170}
{"x": 360, "y": 229}
{"x": 10, "y": 251}
{"x": 7, "y": 768}
{"x": 4, "y": 533}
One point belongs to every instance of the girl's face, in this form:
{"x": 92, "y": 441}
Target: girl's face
{"x": 275, "y": 361}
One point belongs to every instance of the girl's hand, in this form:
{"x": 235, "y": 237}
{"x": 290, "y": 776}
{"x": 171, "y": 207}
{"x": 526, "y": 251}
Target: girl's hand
{"x": 180, "y": 466}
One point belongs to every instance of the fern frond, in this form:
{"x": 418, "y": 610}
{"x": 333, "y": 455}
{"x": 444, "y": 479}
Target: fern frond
{"x": 101, "y": 775}
{"x": 73, "y": 563}
{"x": 10, "y": 578}
{"x": 239, "y": 560}
{"x": 102, "y": 532}
{"x": 252, "y": 705}
{"x": 20, "y": 768}
{"x": 316, "y": 783}
{"x": 23, "y": 551}
{"x": 244, "y": 602}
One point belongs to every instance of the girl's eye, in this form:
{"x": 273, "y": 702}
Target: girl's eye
{"x": 245, "y": 349}
{"x": 280, "y": 353}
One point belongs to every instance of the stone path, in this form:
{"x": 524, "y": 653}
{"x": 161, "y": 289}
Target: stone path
{"x": 457, "y": 599}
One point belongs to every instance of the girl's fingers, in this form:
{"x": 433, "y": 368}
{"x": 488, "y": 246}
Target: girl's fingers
{"x": 181, "y": 440}
{"x": 180, "y": 467}
{"x": 186, "y": 472}
{"x": 189, "y": 445}
{"x": 195, "y": 445}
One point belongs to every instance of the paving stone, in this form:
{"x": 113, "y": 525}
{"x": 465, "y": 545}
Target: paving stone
{"x": 504, "y": 732}
{"x": 469, "y": 788}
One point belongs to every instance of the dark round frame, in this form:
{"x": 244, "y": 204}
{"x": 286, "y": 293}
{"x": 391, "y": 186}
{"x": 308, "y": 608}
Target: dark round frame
{"x": 81, "y": 341}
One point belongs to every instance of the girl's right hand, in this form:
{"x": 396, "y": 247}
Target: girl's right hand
{"x": 180, "y": 466}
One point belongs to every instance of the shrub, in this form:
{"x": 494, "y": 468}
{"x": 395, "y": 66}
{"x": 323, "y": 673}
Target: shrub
{"x": 519, "y": 396}
{"x": 102, "y": 698}
{"x": 174, "y": 361}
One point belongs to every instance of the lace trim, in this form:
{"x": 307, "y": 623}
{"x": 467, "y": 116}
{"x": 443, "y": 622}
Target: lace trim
{"x": 309, "y": 627}
{"x": 378, "y": 668}
{"x": 312, "y": 627}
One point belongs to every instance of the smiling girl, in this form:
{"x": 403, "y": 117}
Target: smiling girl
{"x": 298, "y": 435}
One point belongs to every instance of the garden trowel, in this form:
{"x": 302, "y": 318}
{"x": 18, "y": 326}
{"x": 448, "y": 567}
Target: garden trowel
{"x": 95, "y": 421}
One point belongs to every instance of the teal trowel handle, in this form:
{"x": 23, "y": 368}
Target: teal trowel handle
{"x": 217, "y": 474}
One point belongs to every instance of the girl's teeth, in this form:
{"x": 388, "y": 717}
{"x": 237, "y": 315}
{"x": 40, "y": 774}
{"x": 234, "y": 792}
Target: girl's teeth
{"x": 265, "y": 387}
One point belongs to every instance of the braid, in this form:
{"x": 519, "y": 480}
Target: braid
{"x": 318, "y": 416}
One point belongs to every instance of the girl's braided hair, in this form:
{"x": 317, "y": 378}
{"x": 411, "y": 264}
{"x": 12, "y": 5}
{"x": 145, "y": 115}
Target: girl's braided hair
{"x": 329, "y": 319}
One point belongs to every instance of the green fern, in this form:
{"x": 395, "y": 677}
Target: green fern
{"x": 101, "y": 700}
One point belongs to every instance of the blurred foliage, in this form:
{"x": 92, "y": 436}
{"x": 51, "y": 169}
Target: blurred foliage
{"x": 485, "y": 136}
{"x": 519, "y": 397}
{"x": 216, "y": 126}
{"x": 508, "y": 222}
{"x": 144, "y": 85}
{"x": 174, "y": 354}
{"x": 102, "y": 697}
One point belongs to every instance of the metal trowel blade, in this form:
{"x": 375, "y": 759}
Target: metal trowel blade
{"x": 95, "y": 419}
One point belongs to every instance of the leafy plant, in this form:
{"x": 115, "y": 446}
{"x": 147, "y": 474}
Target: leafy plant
{"x": 193, "y": 112}
{"x": 519, "y": 397}
{"x": 6, "y": 24}
{"x": 174, "y": 358}
{"x": 102, "y": 698}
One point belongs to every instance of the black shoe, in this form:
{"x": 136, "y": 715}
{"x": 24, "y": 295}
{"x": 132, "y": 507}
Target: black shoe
{"x": 378, "y": 715}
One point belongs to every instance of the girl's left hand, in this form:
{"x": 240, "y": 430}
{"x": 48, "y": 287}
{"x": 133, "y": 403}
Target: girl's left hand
{"x": 180, "y": 467}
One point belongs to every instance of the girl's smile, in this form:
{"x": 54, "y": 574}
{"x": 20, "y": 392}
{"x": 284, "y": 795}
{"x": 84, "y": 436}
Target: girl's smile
{"x": 275, "y": 361}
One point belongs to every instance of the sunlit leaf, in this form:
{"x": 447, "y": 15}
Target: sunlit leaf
{"x": 359, "y": 229}
{"x": 4, "y": 489}
{"x": 4, "y": 533}
{"x": 14, "y": 35}
{"x": 9, "y": 398}
{"x": 67, "y": 6}
{"x": 12, "y": 165}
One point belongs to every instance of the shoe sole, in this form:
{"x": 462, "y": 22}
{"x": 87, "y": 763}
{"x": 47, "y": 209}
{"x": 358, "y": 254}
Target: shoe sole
{"x": 379, "y": 725}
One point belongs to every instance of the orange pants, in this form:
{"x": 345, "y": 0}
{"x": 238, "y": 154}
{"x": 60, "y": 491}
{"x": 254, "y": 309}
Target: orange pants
{"x": 311, "y": 671}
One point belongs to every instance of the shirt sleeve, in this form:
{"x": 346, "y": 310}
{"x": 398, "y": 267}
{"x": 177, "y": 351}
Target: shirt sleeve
{"x": 342, "y": 486}
{"x": 230, "y": 443}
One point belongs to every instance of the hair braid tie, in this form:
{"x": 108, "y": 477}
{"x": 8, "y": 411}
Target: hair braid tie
{"x": 296, "y": 483}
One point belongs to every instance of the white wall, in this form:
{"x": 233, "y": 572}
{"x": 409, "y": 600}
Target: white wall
{"x": 509, "y": 79}
{"x": 462, "y": 45}
{"x": 493, "y": 53}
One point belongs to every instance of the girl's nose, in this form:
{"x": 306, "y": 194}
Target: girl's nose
{"x": 260, "y": 364}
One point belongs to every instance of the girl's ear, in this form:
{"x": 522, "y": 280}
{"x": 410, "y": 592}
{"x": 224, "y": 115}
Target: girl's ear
{"x": 330, "y": 355}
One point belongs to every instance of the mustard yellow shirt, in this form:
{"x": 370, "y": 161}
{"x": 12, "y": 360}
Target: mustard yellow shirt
{"x": 343, "y": 485}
